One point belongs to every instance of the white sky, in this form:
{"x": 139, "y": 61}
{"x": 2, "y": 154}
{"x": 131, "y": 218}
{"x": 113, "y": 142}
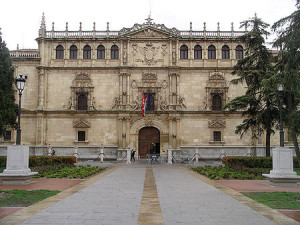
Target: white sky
{"x": 20, "y": 19}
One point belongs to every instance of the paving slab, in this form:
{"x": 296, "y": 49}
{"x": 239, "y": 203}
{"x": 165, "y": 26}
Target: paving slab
{"x": 123, "y": 194}
{"x": 186, "y": 200}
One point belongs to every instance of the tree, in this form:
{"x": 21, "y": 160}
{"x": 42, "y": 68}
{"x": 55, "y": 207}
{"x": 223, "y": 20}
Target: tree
{"x": 288, "y": 66}
{"x": 257, "y": 72}
{"x": 8, "y": 108}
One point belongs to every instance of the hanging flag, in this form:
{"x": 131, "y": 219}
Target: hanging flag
{"x": 145, "y": 103}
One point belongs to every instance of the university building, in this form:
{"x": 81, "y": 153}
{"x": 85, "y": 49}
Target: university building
{"x": 85, "y": 89}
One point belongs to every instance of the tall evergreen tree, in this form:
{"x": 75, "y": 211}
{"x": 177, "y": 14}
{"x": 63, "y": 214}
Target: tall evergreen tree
{"x": 288, "y": 41}
{"x": 8, "y": 108}
{"x": 257, "y": 72}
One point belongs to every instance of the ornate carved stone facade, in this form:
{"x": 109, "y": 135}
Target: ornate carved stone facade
{"x": 90, "y": 84}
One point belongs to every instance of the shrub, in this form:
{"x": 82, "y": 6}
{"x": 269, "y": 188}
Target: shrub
{"x": 252, "y": 162}
{"x": 43, "y": 161}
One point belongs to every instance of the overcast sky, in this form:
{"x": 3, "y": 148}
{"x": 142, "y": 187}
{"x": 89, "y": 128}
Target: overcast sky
{"x": 20, "y": 19}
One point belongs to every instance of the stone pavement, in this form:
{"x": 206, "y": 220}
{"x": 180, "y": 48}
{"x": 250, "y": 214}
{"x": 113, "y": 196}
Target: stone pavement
{"x": 143, "y": 194}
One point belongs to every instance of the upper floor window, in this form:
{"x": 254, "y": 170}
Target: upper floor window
{"x": 73, "y": 52}
{"x": 82, "y": 102}
{"x": 197, "y": 52}
{"x": 114, "y": 52}
{"x": 100, "y": 52}
{"x": 239, "y": 52}
{"x": 87, "y": 52}
{"x": 225, "y": 52}
{"x": 184, "y": 52}
{"x": 59, "y": 52}
{"x": 211, "y": 52}
{"x": 216, "y": 103}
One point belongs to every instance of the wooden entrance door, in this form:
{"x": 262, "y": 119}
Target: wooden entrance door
{"x": 148, "y": 136}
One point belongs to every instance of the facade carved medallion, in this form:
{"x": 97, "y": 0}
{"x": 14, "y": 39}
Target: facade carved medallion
{"x": 149, "y": 52}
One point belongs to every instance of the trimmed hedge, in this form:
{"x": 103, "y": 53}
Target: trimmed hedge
{"x": 38, "y": 161}
{"x": 251, "y": 162}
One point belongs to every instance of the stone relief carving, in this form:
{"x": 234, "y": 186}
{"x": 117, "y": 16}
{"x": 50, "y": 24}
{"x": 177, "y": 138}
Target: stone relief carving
{"x": 164, "y": 84}
{"x": 149, "y": 52}
{"x": 150, "y": 29}
{"x": 82, "y": 84}
{"x": 81, "y": 123}
{"x": 216, "y": 84}
{"x": 149, "y": 76}
{"x": 217, "y": 123}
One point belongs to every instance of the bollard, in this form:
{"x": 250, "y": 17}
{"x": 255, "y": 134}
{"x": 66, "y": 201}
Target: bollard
{"x": 75, "y": 151}
{"x": 170, "y": 154}
{"x": 197, "y": 154}
{"x": 49, "y": 150}
{"x": 101, "y": 152}
{"x": 128, "y": 155}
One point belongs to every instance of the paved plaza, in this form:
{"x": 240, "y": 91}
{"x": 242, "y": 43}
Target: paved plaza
{"x": 140, "y": 193}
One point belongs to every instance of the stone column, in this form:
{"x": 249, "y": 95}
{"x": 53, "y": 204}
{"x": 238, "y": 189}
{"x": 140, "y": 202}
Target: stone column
{"x": 170, "y": 154}
{"x": 128, "y": 155}
{"x": 197, "y": 155}
{"x": 101, "y": 153}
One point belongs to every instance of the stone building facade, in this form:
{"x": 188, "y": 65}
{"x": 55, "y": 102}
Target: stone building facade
{"x": 85, "y": 88}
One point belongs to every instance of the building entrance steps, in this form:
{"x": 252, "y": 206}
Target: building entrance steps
{"x": 121, "y": 194}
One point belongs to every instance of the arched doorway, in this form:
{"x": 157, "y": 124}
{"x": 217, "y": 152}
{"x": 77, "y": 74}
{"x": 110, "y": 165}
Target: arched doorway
{"x": 149, "y": 141}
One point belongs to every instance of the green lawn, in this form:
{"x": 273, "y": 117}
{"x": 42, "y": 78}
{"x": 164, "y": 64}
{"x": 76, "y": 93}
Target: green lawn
{"x": 22, "y": 198}
{"x": 276, "y": 200}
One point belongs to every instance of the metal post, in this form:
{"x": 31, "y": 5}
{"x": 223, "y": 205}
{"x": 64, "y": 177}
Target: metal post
{"x": 281, "y": 132}
{"x": 18, "y": 140}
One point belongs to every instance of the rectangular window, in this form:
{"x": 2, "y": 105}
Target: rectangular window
{"x": 81, "y": 135}
{"x": 7, "y": 135}
{"x": 217, "y": 136}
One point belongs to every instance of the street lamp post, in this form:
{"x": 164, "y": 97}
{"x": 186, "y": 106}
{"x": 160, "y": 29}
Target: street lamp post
{"x": 281, "y": 132}
{"x": 20, "y": 84}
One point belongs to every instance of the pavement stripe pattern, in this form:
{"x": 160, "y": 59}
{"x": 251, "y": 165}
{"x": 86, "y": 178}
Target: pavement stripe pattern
{"x": 150, "y": 212}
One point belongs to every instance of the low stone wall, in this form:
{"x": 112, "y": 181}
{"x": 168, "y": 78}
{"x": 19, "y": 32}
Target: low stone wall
{"x": 114, "y": 153}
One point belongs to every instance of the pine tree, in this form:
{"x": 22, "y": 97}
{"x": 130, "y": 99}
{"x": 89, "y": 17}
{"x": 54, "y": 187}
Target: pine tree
{"x": 257, "y": 72}
{"x": 288, "y": 40}
{"x": 8, "y": 108}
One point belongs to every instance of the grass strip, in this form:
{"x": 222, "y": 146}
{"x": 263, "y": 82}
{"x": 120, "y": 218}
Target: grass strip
{"x": 23, "y": 198}
{"x": 276, "y": 200}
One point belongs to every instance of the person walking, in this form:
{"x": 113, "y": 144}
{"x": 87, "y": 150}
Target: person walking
{"x": 132, "y": 155}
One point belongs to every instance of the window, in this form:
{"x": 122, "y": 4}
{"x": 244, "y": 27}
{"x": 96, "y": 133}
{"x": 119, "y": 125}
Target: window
{"x": 87, "y": 52}
{"x": 197, "y": 52}
{"x": 211, "y": 52}
{"x": 184, "y": 52}
{"x": 73, "y": 52}
{"x": 59, "y": 52}
{"x": 225, "y": 52}
{"x": 239, "y": 52}
{"x": 217, "y": 136}
{"x": 217, "y": 103}
{"x": 81, "y": 135}
{"x": 82, "y": 102}
{"x": 114, "y": 52}
{"x": 151, "y": 102}
{"x": 100, "y": 52}
{"x": 7, "y": 135}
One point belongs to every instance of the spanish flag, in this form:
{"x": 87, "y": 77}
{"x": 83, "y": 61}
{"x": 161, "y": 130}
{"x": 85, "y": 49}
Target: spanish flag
{"x": 145, "y": 103}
